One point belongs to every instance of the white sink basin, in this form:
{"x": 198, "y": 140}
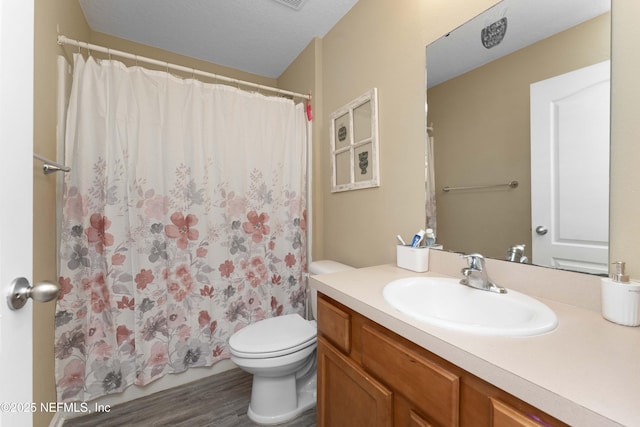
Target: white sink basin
{"x": 444, "y": 302}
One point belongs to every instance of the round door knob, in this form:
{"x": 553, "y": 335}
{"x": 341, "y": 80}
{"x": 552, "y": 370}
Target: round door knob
{"x": 20, "y": 291}
{"x": 541, "y": 230}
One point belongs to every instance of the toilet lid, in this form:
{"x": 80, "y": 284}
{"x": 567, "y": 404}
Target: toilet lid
{"x": 274, "y": 336}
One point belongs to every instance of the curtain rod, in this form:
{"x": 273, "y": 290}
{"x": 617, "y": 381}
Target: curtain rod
{"x": 63, "y": 40}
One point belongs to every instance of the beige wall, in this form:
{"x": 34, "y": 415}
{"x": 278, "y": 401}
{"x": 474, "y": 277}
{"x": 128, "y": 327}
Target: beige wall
{"x": 494, "y": 147}
{"x": 382, "y": 44}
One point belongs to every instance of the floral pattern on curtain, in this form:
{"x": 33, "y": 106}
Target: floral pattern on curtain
{"x": 183, "y": 221}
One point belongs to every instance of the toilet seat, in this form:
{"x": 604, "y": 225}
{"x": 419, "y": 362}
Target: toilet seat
{"x": 274, "y": 337}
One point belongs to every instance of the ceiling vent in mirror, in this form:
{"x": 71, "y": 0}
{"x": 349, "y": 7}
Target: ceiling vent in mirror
{"x": 493, "y": 34}
{"x": 293, "y": 4}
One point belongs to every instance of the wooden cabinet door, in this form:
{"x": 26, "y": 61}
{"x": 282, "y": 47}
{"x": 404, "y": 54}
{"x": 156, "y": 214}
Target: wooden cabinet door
{"x": 416, "y": 420}
{"x": 347, "y": 395}
{"x": 503, "y": 415}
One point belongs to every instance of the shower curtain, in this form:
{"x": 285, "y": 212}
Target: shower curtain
{"x": 430, "y": 182}
{"x": 183, "y": 221}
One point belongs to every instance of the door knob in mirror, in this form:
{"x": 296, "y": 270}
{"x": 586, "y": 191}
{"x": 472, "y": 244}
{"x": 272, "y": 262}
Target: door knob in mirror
{"x": 541, "y": 230}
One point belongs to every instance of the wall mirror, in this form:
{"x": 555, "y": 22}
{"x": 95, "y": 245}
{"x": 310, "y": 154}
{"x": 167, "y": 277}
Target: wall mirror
{"x": 354, "y": 144}
{"x": 481, "y": 83}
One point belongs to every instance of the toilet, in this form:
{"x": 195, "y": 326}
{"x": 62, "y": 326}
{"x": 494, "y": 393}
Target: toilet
{"x": 280, "y": 352}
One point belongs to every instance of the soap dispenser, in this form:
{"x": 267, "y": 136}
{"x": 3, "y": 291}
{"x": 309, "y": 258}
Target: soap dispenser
{"x": 621, "y": 297}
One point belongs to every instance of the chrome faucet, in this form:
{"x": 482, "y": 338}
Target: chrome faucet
{"x": 516, "y": 254}
{"x": 475, "y": 275}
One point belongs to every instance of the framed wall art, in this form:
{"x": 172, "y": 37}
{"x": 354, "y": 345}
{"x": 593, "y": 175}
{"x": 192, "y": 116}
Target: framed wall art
{"x": 354, "y": 144}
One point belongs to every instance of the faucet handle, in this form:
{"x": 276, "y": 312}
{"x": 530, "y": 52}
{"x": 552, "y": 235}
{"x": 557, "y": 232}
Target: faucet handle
{"x": 475, "y": 261}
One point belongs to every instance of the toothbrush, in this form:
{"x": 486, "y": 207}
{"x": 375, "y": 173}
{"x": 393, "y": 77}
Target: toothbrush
{"x": 399, "y": 237}
{"x": 417, "y": 239}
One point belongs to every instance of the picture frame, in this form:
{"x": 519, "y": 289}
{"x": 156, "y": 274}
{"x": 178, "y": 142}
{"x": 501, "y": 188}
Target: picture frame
{"x": 354, "y": 144}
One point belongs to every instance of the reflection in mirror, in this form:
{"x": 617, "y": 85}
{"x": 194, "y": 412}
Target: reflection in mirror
{"x": 481, "y": 87}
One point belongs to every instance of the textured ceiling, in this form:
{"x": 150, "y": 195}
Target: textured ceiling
{"x": 263, "y": 36}
{"x": 258, "y": 36}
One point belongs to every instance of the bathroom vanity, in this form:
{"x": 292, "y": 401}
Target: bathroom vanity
{"x": 380, "y": 367}
{"x": 371, "y": 376}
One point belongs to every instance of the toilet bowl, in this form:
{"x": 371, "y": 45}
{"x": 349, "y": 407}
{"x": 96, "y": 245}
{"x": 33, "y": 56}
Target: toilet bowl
{"x": 280, "y": 352}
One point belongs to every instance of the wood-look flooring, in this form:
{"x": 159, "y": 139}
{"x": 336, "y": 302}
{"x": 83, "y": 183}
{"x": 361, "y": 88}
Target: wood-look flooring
{"x": 219, "y": 401}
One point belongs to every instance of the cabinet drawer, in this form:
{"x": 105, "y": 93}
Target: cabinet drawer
{"x": 335, "y": 325}
{"x": 428, "y": 386}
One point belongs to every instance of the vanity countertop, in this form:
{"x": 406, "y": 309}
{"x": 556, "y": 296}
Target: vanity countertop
{"x": 585, "y": 373}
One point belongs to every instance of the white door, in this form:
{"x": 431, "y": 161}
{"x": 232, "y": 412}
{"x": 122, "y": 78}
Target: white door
{"x": 16, "y": 213}
{"x": 570, "y": 170}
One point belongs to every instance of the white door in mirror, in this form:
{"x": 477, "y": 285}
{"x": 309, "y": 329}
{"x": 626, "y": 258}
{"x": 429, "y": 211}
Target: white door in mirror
{"x": 570, "y": 170}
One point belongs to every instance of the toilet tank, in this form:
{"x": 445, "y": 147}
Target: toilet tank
{"x": 323, "y": 267}
{"x": 327, "y": 266}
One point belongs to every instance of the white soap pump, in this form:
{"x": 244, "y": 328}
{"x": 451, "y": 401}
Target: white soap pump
{"x": 621, "y": 297}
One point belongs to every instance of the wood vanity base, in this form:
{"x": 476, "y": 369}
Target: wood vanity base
{"x": 370, "y": 376}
